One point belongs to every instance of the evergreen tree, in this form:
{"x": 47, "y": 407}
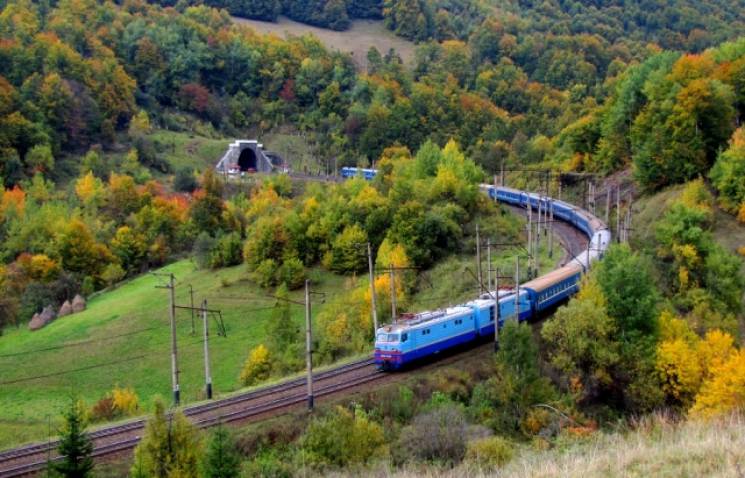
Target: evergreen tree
{"x": 222, "y": 460}
{"x": 75, "y": 445}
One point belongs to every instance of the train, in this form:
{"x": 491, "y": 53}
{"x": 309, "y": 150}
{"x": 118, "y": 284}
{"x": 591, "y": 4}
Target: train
{"x": 368, "y": 174}
{"x": 415, "y": 337}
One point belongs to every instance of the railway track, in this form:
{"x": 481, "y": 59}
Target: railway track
{"x": 264, "y": 401}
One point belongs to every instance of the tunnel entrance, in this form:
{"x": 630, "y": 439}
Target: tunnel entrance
{"x": 247, "y": 160}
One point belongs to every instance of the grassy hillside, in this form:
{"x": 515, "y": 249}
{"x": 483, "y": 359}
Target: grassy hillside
{"x": 357, "y": 40}
{"x": 656, "y": 448}
{"x": 126, "y": 332}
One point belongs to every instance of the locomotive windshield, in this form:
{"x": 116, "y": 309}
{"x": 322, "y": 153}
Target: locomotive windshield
{"x": 388, "y": 337}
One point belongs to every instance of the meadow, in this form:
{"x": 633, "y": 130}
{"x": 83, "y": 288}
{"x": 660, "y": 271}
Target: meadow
{"x": 124, "y": 338}
{"x": 357, "y": 40}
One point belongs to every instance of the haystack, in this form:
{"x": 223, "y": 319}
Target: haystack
{"x": 78, "y": 304}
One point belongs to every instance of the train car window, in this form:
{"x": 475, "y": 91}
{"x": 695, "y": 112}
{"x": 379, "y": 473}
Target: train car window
{"x": 491, "y": 314}
{"x": 404, "y": 337}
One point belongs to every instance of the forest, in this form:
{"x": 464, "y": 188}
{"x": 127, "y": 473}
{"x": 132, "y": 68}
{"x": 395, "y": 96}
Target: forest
{"x": 656, "y": 89}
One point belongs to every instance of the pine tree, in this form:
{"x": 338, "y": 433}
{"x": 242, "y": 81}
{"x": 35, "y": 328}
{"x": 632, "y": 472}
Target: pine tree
{"x": 222, "y": 460}
{"x": 75, "y": 445}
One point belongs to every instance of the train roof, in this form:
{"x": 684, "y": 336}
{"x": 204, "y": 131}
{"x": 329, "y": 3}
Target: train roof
{"x": 425, "y": 319}
{"x": 551, "y": 278}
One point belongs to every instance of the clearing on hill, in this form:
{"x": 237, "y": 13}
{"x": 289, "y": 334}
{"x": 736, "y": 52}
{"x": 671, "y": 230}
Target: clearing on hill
{"x": 357, "y": 40}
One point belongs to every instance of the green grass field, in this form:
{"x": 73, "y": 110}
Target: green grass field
{"x": 356, "y": 41}
{"x": 128, "y": 330}
{"x": 184, "y": 150}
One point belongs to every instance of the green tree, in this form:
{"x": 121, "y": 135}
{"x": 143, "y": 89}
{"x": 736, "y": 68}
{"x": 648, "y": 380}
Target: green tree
{"x": 222, "y": 459}
{"x": 581, "y": 342}
{"x": 170, "y": 446}
{"x": 503, "y": 401}
{"x": 630, "y": 291}
{"x": 75, "y": 446}
{"x": 728, "y": 173}
{"x": 40, "y": 158}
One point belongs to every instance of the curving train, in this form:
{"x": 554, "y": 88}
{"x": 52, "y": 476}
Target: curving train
{"x": 414, "y": 337}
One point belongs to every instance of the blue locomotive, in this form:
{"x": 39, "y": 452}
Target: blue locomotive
{"x": 368, "y": 174}
{"x": 416, "y": 336}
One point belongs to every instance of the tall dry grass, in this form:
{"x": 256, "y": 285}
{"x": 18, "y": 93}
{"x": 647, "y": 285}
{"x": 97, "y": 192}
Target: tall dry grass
{"x": 656, "y": 447}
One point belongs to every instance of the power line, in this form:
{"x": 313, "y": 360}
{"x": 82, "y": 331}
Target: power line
{"x": 77, "y": 344}
{"x": 88, "y": 367}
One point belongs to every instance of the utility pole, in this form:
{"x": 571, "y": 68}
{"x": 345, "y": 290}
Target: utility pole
{"x": 551, "y": 229}
{"x": 393, "y": 294}
{"x": 530, "y": 236}
{"x": 517, "y": 288}
{"x": 496, "y": 311}
{"x": 618, "y": 214}
{"x": 174, "y": 349}
{"x": 191, "y": 296}
{"x": 607, "y": 205}
{"x": 373, "y": 299}
{"x": 478, "y": 259}
{"x": 488, "y": 262}
{"x": 207, "y": 375}
{"x": 308, "y": 346}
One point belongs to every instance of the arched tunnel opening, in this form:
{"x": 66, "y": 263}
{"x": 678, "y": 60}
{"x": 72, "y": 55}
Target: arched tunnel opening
{"x": 247, "y": 160}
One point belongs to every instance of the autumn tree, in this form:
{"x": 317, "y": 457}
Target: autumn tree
{"x": 170, "y": 446}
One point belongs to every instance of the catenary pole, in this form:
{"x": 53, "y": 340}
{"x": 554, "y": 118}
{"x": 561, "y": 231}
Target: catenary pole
{"x": 496, "y": 311}
{"x": 373, "y": 299}
{"x": 308, "y": 346}
{"x": 393, "y": 294}
{"x": 206, "y": 334}
{"x": 517, "y": 288}
{"x": 478, "y": 259}
{"x": 174, "y": 346}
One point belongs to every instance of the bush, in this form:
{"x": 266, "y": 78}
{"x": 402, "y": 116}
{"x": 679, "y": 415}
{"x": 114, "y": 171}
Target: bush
{"x": 103, "y": 410}
{"x": 257, "y": 366}
{"x": 438, "y": 435}
{"x": 125, "y": 400}
{"x": 489, "y": 453}
{"x": 227, "y": 251}
{"x": 266, "y": 273}
{"x": 202, "y": 250}
{"x": 343, "y": 438}
{"x": 292, "y": 273}
{"x": 185, "y": 181}
{"x": 270, "y": 464}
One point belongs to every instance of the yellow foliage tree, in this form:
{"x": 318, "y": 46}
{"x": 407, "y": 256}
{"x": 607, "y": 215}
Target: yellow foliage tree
{"x": 257, "y": 366}
{"x": 679, "y": 370}
{"x": 725, "y": 390}
{"x": 125, "y": 400}
{"x": 90, "y": 190}
{"x": 12, "y": 201}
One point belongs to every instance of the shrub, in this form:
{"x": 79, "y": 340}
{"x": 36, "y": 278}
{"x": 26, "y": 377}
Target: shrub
{"x": 266, "y": 274}
{"x": 227, "y": 251}
{"x": 343, "y": 438}
{"x": 257, "y": 366}
{"x": 438, "y": 435}
{"x": 112, "y": 274}
{"x": 103, "y": 410}
{"x": 268, "y": 463}
{"x": 125, "y": 400}
{"x": 185, "y": 181}
{"x": 202, "y": 249}
{"x": 292, "y": 273}
{"x": 489, "y": 453}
